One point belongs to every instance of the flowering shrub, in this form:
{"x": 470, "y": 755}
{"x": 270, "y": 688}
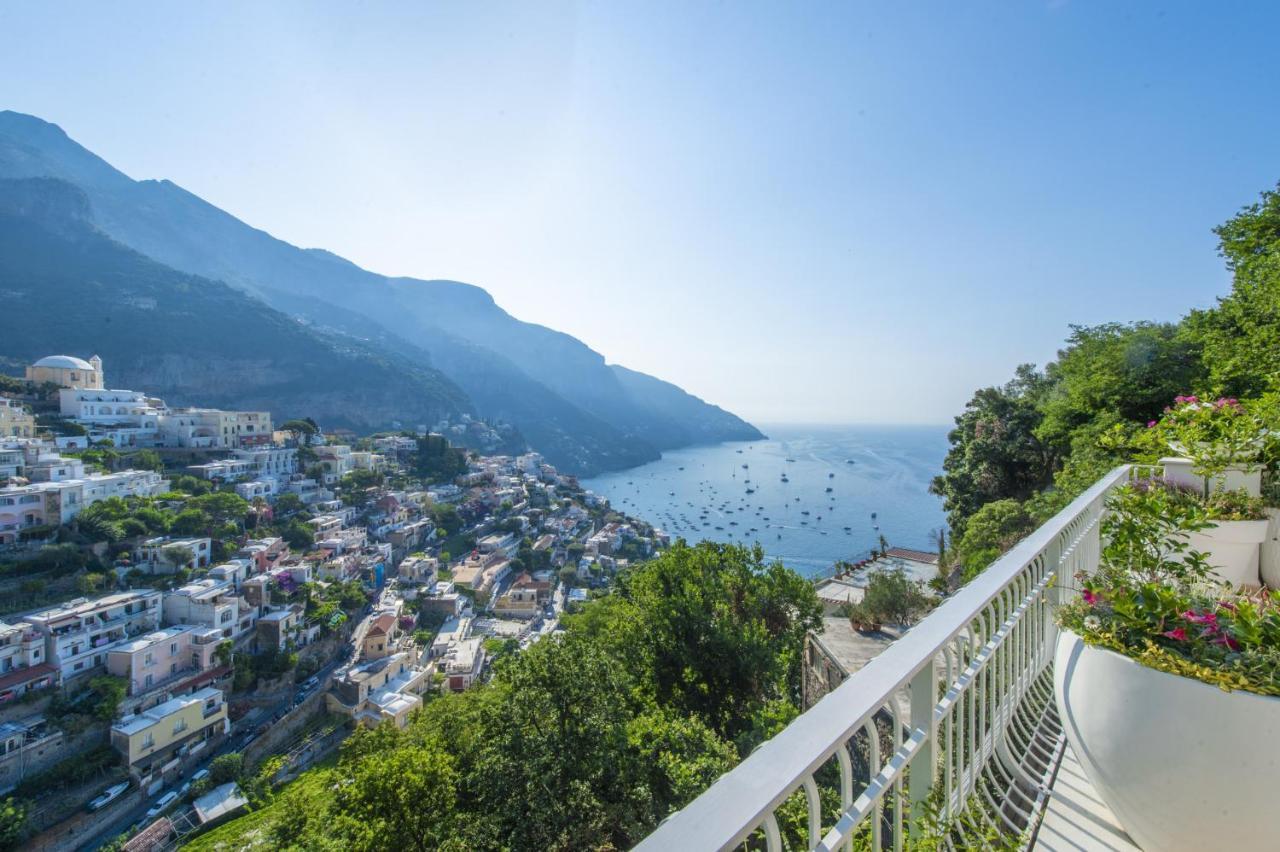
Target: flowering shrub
{"x": 1151, "y": 599}
{"x": 1235, "y": 506}
{"x": 1231, "y": 642}
{"x": 1146, "y": 527}
{"x": 1216, "y": 435}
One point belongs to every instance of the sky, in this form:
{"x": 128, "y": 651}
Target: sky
{"x": 803, "y": 212}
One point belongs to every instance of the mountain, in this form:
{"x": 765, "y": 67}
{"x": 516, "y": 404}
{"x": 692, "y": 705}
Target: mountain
{"x": 583, "y": 413}
{"x": 67, "y": 287}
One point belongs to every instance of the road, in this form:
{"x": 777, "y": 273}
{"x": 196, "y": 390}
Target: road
{"x": 237, "y": 741}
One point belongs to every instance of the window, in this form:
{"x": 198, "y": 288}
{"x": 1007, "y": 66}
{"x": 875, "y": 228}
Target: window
{"x": 147, "y": 681}
{"x": 149, "y": 740}
{"x": 179, "y": 726}
{"x": 173, "y": 648}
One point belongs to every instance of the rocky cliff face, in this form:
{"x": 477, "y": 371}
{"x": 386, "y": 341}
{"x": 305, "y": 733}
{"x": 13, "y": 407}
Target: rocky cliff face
{"x": 65, "y": 287}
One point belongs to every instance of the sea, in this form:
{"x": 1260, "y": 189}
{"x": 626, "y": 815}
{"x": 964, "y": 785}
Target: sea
{"x": 809, "y": 495}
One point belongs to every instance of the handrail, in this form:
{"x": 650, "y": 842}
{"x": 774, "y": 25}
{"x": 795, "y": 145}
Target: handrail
{"x": 990, "y": 618}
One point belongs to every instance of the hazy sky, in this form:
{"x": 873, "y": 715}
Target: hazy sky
{"x": 800, "y": 211}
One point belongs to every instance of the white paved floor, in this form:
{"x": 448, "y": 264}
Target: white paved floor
{"x": 1075, "y": 819}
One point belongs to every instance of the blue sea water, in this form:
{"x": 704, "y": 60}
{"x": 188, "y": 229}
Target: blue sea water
{"x": 878, "y": 478}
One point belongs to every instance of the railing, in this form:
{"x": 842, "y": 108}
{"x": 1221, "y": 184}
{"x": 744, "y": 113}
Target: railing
{"x": 956, "y": 719}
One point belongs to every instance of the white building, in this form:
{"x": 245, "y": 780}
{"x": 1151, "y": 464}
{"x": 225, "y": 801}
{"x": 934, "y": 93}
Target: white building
{"x": 80, "y": 633}
{"x": 212, "y": 603}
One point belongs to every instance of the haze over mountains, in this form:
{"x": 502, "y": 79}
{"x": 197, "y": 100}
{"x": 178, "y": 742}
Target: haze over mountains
{"x": 456, "y": 350}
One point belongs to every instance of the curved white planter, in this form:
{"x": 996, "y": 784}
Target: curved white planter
{"x": 1181, "y": 764}
{"x": 1269, "y": 552}
{"x": 1232, "y": 549}
{"x": 1181, "y": 471}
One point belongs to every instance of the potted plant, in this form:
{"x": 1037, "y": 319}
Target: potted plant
{"x": 1219, "y": 444}
{"x": 1154, "y": 663}
{"x": 1223, "y": 446}
{"x": 1269, "y": 552}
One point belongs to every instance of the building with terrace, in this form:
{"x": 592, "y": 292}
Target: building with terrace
{"x": 79, "y": 634}
{"x": 164, "y": 657}
{"x": 153, "y": 742}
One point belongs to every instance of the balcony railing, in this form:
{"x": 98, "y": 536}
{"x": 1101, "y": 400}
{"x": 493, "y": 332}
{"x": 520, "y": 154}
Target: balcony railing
{"x": 957, "y": 717}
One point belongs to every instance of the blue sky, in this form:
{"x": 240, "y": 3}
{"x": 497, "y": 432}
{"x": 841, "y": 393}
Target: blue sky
{"x": 804, "y": 212}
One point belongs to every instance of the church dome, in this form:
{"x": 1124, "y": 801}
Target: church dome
{"x": 65, "y": 362}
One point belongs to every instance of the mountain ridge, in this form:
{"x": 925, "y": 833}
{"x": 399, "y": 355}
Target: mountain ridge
{"x": 559, "y": 376}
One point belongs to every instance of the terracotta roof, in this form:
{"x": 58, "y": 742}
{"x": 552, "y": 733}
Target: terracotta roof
{"x": 21, "y": 676}
{"x": 382, "y": 624}
{"x": 913, "y": 555}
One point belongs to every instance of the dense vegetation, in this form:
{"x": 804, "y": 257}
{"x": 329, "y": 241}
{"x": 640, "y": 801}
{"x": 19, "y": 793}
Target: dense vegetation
{"x": 585, "y": 740}
{"x": 1020, "y": 452}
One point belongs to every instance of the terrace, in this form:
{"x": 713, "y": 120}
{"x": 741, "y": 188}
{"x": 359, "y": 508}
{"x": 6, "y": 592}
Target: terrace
{"x": 959, "y": 713}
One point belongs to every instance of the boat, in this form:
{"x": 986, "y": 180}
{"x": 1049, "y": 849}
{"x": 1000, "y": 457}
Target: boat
{"x": 828, "y": 490}
{"x": 831, "y": 476}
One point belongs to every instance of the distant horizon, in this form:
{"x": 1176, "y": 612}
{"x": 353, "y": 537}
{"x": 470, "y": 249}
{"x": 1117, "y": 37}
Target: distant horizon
{"x": 800, "y": 215}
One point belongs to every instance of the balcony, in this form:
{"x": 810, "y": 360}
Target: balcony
{"x": 957, "y": 716}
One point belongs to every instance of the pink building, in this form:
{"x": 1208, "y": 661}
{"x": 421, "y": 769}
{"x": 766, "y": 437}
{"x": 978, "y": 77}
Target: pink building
{"x": 165, "y": 657}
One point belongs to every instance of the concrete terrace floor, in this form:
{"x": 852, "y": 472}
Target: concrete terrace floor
{"x": 1075, "y": 819}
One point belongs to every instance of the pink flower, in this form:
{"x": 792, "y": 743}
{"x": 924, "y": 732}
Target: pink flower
{"x": 1151, "y": 424}
{"x": 1210, "y": 618}
{"x": 1225, "y": 639}
{"x": 1177, "y": 633}
{"x": 1090, "y": 598}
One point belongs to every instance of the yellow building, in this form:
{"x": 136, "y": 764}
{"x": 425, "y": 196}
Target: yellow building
{"x": 67, "y": 371}
{"x": 151, "y": 741}
{"x": 15, "y": 420}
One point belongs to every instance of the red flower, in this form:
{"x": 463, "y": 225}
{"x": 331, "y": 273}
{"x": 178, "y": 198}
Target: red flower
{"x": 1178, "y": 633}
{"x": 1090, "y": 598}
{"x": 1210, "y": 618}
{"x": 1226, "y": 639}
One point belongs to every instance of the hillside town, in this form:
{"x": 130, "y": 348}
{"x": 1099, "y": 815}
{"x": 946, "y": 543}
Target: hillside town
{"x": 186, "y": 591}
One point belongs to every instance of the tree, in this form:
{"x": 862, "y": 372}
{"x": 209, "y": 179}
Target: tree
{"x": 556, "y": 748}
{"x": 893, "y": 597}
{"x": 298, "y": 535}
{"x": 288, "y": 504}
{"x": 13, "y": 823}
{"x": 226, "y": 767}
{"x": 146, "y": 460}
{"x": 991, "y": 531}
{"x": 995, "y": 452}
{"x": 108, "y": 694}
{"x": 300, "y": 428}
{"x": 398, "y": 798}
{"x": 719, "y": 632}
{"x": 176, "y": 556}
{"x": 446, "y": 517}
{"x": 221, "y": 506}
{"x": 1239, "y": 334}
{"x": 191, "y": 521}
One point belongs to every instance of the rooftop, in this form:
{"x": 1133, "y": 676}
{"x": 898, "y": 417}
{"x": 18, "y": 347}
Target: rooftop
{"x": 65, "y": 362}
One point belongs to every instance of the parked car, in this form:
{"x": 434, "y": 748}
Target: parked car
{"x": 199, "y": 773}
{"x": 108, "y": 796}
{"x": 162, "y": 804}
